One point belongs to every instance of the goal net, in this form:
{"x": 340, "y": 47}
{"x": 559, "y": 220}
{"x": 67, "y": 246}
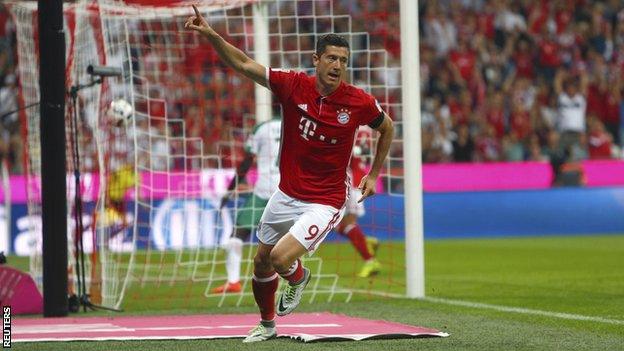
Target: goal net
{"x": 153, "y": 225}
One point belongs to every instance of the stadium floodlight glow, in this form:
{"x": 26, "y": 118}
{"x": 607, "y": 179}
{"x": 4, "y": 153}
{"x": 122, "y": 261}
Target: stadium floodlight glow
{"x": 104, "y": 71}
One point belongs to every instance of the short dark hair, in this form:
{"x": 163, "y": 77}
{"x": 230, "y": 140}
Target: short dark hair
{"x": 330, "y": 39}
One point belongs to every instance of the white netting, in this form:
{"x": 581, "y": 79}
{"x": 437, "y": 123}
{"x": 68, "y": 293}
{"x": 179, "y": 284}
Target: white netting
{"x": 152, "y": 186}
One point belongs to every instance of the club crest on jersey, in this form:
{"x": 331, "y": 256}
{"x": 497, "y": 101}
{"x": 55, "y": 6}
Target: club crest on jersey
{"x": 343, "y": 116}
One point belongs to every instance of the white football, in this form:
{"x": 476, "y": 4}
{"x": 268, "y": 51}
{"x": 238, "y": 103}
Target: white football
{"x": 120, "y": 111}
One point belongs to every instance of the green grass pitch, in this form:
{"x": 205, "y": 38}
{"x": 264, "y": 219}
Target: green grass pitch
{"x": 576, "y": 283}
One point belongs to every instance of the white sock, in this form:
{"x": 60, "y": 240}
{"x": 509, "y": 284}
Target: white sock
{"x": 234, "y": 258}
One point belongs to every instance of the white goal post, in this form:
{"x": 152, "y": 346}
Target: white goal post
{"x": 414, "y": 221}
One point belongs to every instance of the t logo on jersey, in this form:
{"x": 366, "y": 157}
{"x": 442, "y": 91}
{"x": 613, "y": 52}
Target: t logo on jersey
{"x": 307, "y": 127}
{"x": 308, "y": 130}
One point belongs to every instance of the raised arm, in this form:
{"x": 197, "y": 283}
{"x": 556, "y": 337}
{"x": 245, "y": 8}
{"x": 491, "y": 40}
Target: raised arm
{"x": 386, "y": 134}
{"x": 228, "y": 53}
{"x": 584, "y": 82}
{"x": 558, "y": 83}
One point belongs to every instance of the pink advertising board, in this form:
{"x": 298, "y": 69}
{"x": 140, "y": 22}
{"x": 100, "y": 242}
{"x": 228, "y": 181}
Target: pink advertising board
{"x": 486, "y": 176}
{"x": 604, "y": 173}
{"x": 450, "y": 177}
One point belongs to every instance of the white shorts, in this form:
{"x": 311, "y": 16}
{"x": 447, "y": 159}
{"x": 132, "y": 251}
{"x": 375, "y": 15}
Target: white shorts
{"x": 352, "y": 206}
{"x": 308, "y": 222}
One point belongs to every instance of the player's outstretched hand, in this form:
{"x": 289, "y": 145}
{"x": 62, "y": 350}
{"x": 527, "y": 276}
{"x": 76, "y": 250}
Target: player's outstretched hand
{"x": 367, "y": 186}
{"x": 197, "y": 22}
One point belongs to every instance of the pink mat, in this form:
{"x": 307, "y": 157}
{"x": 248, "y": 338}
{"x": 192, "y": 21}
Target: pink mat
{"x": 18, "y": 290}
{"x": 306, "y": 327}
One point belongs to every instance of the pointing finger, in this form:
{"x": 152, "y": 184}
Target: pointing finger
{"x": 365, "y": 194}
{"x": 196, "y": 11}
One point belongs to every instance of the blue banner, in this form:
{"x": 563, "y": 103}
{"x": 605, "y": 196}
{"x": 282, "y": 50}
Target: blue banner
{"x": 561, "y": 211}
{"x": 189, "y": 223}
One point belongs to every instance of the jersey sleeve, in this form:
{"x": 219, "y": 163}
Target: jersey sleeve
{"x": 282, "y": 82}
{"x": 372, "y": 113}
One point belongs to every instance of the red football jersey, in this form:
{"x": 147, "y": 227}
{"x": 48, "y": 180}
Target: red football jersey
{"x": 317, "y": 135}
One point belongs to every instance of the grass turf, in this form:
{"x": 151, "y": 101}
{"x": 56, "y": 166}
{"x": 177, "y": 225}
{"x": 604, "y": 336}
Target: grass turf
{"x": 581, "y": 275}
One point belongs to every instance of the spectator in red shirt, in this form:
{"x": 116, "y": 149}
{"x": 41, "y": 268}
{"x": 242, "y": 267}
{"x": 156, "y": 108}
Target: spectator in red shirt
{"x": 612, "y": 106}
{"x": 485, "y": 20}
{"x": 599, "y": 140}
{"x": 464, "y": 59}
{"x": 548, "y": 57}
{"x": 596, "y": 95}
{"x": 461, "y": 107}
{"x": 495, "y": 113}
{"x": 523, "y": 59}
{"x": 563, "y": 16}
{"x": 520, "y": 121}
{"x": 487, "y": 145}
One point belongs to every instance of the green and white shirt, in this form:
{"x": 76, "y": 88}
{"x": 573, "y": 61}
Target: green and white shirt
{"x": 265, "y": 144}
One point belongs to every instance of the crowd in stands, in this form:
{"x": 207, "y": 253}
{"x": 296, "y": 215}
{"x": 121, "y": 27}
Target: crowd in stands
{"x": 11, "y": 143}
{"x": 521, "y": 80}
{"x": 501, "y": 80}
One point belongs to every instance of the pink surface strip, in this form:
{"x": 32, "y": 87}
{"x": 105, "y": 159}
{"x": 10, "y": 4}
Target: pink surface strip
{"x": 301, "y": 326}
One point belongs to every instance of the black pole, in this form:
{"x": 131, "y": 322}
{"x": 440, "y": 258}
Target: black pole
{"x": 79, "y": 228}
{"x": 53, "y": 163}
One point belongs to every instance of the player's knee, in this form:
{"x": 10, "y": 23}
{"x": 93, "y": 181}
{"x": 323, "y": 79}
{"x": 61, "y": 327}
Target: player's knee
{"x": 262, "y": 262}
{"x": 279, "y": 262}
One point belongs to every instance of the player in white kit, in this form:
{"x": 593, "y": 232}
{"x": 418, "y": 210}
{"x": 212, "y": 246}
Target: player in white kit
{"x": 263, "y": 145}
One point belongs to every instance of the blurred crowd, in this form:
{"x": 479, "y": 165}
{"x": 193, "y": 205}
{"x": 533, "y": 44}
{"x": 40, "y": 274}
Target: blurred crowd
{"x": 501, "y": 80}
{"x": 521, "y": 80}
{"x": 11, "y": 143}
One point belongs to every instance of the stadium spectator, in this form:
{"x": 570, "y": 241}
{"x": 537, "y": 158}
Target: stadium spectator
{"x": 535, "y": 152}
{"x": 463, "y": 146}
{"x": 512, "y": 148}
{"x": 488, "y": 147}
{"x": 440, "y": 32}
{"x": 600, "y": 141}
{"x": 612, "y": 106}
{"x": 572, "y": 104}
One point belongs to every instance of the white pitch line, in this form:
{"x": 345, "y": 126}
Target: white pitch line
{"x": 379, "y": 293}
{"x": 577, "y": 317}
